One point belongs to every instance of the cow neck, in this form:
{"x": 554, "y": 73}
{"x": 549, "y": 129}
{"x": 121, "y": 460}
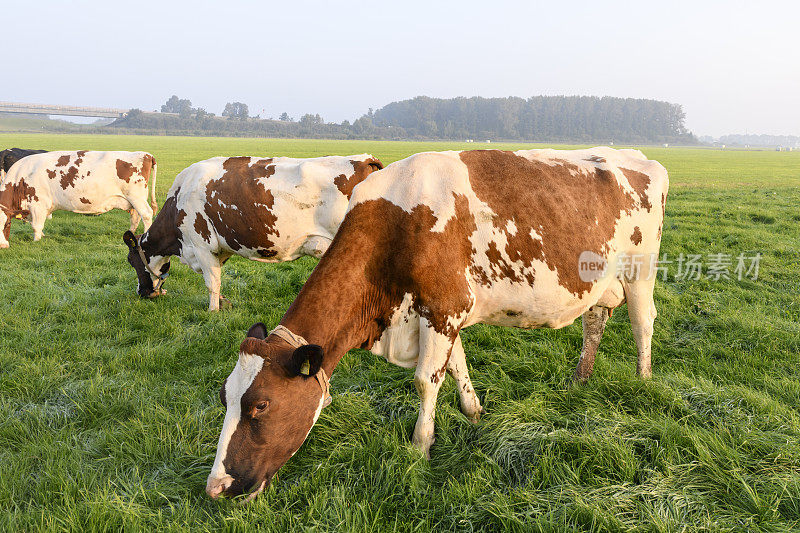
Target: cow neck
{"x": 7, "y": 196}
{"x": 162, "y": 239}
{"x": 337, "y": 308}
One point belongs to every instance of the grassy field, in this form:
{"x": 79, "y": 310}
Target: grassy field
{"x": 109, "y": 414}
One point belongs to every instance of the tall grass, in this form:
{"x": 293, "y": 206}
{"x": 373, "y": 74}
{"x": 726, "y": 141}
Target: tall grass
{"x": 109, "y": 413}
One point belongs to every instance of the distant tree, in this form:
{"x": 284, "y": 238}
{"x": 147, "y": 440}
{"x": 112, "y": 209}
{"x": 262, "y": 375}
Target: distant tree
{"x": 201, "y": 113}
{"x": 285, "y": 117}
{"x": 311, "y": 120}
{"x": 177, "y": 105}
{"x": 235, "y": 110}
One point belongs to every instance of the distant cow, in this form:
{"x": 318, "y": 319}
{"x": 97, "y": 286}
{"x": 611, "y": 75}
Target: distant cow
{"x": 432, "y": 244}
{"x": 84, "y": 182}
{"x": 10, "y": 156}
{"x": 265, "y": 209}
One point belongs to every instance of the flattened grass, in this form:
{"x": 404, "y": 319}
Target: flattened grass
{"x": 109, "y": 413}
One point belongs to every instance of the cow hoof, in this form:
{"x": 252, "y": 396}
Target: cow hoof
{"x": 476, "y": 416}
{"x": 424, "y": 447}
{"x": 3, "y": 246}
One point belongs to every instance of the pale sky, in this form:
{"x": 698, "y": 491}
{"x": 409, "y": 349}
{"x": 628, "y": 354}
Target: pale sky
{"x": 734, "y": 66}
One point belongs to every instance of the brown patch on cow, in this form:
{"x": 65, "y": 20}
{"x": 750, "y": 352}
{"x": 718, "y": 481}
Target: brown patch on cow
{"x": 84, "y": 200}
{"x": 79, "y": 160}
{"x": 201, "y": 227}
{"x": 62, "y": 161}
{"x": 125, "y": 170}
{"x": 51, "y": 174}
{"x": 68, "y": 178}
{"x": 147, "y": 165}
{"x": 640, "y": 182}
{"x": 13, "y": 194}
{"x": 550, "y": 200}
{"x": 239, "y": 207}
{"x": 361, "y": 169}
{"x": 636, "y": 237}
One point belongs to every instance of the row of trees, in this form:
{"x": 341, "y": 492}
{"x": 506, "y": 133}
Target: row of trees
{"x": 540, "y": 118}
{"x": 183, "y": 108}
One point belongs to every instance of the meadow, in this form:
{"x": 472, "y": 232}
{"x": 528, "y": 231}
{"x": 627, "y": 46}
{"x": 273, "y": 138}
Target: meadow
{"x": 109, "y": 410}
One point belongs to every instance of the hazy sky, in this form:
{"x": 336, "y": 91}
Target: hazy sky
{"x": 735, "y": 66}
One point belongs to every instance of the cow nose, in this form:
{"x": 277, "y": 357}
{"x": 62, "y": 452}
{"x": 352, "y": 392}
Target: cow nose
{"x": 217, "y": 485}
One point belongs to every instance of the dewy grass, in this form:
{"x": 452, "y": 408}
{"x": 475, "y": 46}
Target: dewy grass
{"x": 109, "y": 414}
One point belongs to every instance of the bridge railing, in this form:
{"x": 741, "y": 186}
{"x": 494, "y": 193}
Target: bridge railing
{"x": 76, "y": 111}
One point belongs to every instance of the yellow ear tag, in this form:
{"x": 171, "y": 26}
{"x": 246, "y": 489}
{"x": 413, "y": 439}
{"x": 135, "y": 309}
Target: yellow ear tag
{"x": 18, "y": 216}
{"x": 306, "y": 369}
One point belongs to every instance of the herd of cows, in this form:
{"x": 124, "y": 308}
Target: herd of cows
{"x": 410, "y": 254}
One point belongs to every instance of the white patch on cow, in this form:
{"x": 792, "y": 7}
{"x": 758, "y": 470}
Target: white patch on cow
{"x": 511, "y": 227}
{"x": 244, "y": 373}
{"x": 428, "y": 178}
{"x": 399, "y": 342}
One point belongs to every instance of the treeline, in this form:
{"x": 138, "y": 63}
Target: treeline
{"x": 583, "y": 119}
{"x": 308, "y": 127}
{"x": 540, "y": 118}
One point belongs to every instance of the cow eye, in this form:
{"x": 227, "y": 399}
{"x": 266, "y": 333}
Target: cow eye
{"x": 260, "y": 407}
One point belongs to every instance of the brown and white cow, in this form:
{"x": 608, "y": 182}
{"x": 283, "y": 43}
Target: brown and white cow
{"x": 265, "y": 209}
{"x": 430, "y": 245}
{"x": 84, "y": 182}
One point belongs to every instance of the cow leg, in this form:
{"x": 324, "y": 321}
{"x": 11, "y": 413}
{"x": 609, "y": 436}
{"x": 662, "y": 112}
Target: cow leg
{"x": 212, "y": 274}
{"x": 457, "y": 367}
{"x": 434, "y": 352}
{"x": 594, "y": 322}
{"x": 37, "y": 222}
{"x": 135, "y": 218}
{"x": 642, "y": 313}
{"x": 144, "y": 211}
{"x": 224, "y": 303}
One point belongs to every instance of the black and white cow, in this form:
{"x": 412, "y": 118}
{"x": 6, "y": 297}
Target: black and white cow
{"x": 266, "y": 209}
{"x": 9, "y": 156}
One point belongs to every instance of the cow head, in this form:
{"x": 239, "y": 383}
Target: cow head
{"x": 6, "y": 215}
{"x": 272, "y": 400}
{"x": 146, "y": 273}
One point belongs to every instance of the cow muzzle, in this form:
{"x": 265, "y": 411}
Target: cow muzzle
{"x": 227, "y": 486}
{"x": 217, "y": 485}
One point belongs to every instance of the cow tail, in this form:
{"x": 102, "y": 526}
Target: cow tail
{"x": 153, "y": 203}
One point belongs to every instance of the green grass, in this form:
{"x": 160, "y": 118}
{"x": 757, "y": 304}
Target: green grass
{"x": 109, "y": 414}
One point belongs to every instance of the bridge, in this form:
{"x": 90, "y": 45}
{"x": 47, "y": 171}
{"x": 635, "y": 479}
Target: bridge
{"x": 68, "y": 110}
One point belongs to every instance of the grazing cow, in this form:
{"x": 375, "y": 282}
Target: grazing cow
{"x": 10, "y": 156}
{"x": 85, "y": 182}
{"x": 265, "y": 209}
{"x": 430, "y": 245}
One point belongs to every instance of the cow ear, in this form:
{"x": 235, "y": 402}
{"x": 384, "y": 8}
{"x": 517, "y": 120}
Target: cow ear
{"x": 257, "y": 331}
{"x": 130, "y": 239}
{"x": 375, "y": 164}
{"x": 306, "y": 361}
